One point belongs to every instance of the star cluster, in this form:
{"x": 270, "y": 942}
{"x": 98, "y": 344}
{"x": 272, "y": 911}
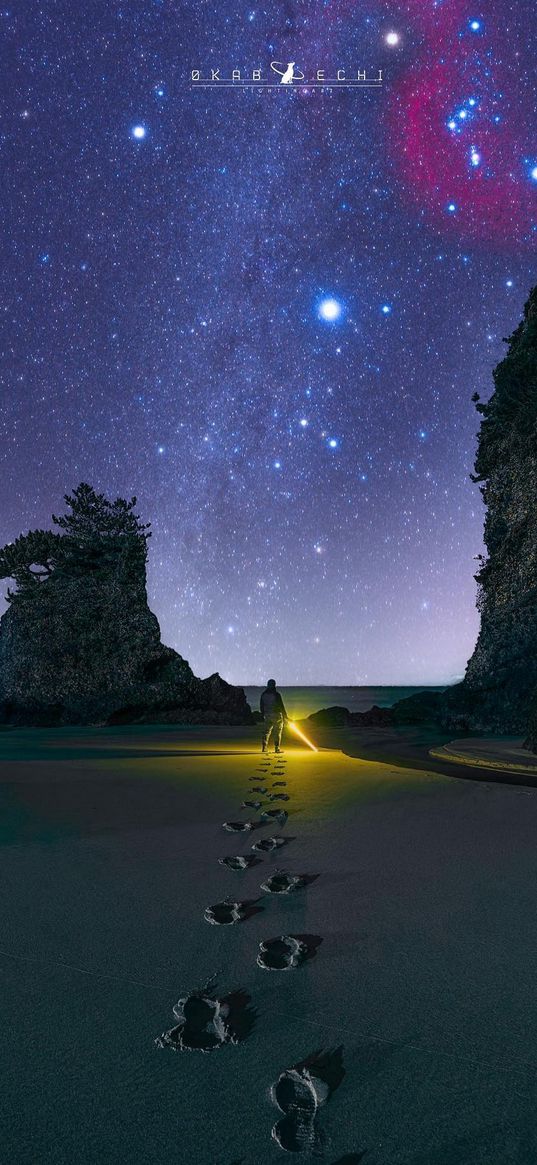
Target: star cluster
{"x": 265, "y": 312}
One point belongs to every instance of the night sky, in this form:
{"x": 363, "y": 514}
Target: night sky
{"x": 265, "y": 312}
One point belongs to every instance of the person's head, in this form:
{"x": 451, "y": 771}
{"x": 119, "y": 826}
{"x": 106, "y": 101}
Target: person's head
{"x": 271, "y": 684}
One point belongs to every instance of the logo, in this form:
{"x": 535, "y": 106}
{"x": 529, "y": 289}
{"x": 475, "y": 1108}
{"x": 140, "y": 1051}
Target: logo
{"x": 285, "y": 73}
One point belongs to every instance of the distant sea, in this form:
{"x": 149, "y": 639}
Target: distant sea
{"x": 301, "y": 702}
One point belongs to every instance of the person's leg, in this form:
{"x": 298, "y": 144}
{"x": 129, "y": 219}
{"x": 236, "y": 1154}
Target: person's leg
{"x": 278, "y": 729}
{"x": 266, "y": 735}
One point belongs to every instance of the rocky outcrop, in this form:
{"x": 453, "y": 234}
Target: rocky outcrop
{"x": 78, "y": 643}
{"x": 421, "y": 707}
{"x": 497, "y": 692}
{"x": 334, "y": 717}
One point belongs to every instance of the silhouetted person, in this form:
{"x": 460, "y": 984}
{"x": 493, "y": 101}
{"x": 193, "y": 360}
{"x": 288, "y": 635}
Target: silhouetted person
{"x": 274, "y": 715}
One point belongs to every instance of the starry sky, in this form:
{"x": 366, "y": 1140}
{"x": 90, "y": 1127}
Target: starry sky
{"x": 264, "y": 311}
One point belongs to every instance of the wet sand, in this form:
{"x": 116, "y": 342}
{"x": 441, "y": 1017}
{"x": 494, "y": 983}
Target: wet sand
{"x": 423, "y": 912}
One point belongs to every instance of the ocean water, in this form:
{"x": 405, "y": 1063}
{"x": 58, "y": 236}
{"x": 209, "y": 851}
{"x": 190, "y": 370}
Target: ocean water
{"x": 301, "y": 702}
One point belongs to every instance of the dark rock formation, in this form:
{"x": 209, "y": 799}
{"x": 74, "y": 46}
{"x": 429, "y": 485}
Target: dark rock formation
{"x": 78, "y": 643}
{"x": 334, "y": 717}
{"x": 501, "y": 678}
{"x": 426, "y": 706}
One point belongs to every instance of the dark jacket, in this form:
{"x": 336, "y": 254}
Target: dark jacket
{"x": 271, "y": 705}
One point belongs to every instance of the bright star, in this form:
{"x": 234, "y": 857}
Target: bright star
{"x": 392, "y": 39}
{"x": 303, "y": 422}
{"x": 386, "y": 309}
{"x": 138, "y": 132}
{"x": 509, "y": 283}
{"x": 475, "y": 158}
{"x": 452, "y": 208}
{"x": 452, "y": 124}
{"x": 277, "y": 464}
{"x": 475, "y": 25}
{"x": 534, "y": 173}
{"x": 332, "y": 443}
{"x": 329, "y": 310}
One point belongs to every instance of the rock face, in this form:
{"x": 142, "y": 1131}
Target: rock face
{"x": 422, "y": 707}
{"x": 497, "y": 692}
{"x": 78, "y": 643}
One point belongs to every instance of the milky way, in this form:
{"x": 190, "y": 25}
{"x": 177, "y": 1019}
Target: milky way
{"x": 265, "y": 312}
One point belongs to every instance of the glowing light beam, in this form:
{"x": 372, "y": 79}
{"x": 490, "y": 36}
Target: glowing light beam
{"x": 297, "y": 731}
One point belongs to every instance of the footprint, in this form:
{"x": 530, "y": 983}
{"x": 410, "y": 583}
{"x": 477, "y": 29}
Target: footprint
{"x": 238, "y": 826}
{"x": 228, "y": 912}
{"x": 299, "y": 1093}
{"x": 295, "y": 1095}
{"x": 283, "y": 883}
{"x": 267, "y": 844}
{"x": 251, "y": 804}
{"x": 258, "y": 789}
{"x": 279, "y": 815}
{"x": 277, "y": 797}
{"x": 275, "y": 784}
{"x": 284, "y": 953}
{"x": 205, "y": 1022}
{"x": 239, "y": 862}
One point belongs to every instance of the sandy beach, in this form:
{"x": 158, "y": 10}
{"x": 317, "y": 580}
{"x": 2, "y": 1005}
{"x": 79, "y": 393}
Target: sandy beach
{"x": 424, "y": 968}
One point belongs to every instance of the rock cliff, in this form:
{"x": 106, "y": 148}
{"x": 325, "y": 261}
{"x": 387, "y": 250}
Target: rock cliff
{"x": 78, "y": 643}
{"x": 501, "y": 677}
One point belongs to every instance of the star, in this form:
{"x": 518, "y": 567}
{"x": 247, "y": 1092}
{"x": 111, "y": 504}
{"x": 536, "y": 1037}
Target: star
{"x": 392, "y": 39}
{"x": 329, "y": 309}
{"x": 138, "y": 132}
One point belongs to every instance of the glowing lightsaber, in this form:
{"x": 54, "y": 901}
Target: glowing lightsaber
{"x": 294, "y": 728}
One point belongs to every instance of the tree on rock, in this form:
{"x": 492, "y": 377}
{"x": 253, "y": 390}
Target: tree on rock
{"x": 78, "y": 643}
